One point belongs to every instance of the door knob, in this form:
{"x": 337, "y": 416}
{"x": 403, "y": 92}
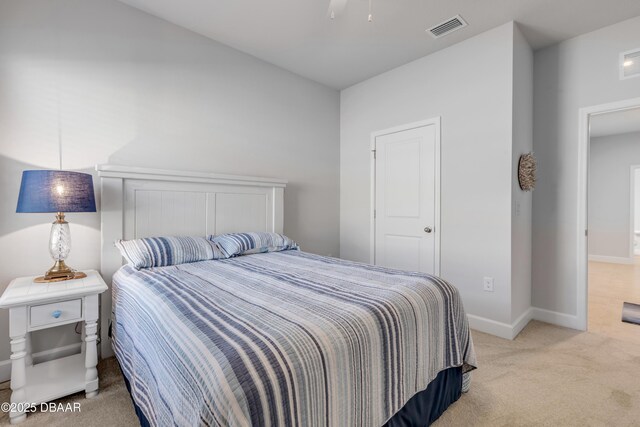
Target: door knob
{"x": 428, "y": 230}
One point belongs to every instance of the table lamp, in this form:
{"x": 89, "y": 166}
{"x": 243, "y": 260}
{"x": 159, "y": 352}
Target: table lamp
{"x": 57, "y": 191}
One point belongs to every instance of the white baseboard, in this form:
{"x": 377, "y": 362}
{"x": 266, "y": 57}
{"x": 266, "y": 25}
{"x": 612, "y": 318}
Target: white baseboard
{"x": 55, "y": 353}
{"x": 43, "y": 356}
{"x": 489, "y": 326}
{"x": 5, "y": 370}
{"x": 510, "y": 331}
{"x": 106, "y": 351}
{"x": 611, "y": 259}
{"x": 556, "y": 318}
{"x": 500, "y": 329}
{"x": 521, "y": 322}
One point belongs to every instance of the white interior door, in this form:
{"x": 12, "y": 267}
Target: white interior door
{"x": 406, "y": 199}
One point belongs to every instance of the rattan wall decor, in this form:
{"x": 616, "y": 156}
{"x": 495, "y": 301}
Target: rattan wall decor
{"x": 527, "y": 172}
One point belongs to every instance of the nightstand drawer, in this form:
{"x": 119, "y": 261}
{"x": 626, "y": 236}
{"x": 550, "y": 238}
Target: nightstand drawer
{"x": 57, "y": 312}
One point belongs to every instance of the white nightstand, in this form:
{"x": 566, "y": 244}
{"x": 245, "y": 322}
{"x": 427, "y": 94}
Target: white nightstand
{"x": 34, "y": 306}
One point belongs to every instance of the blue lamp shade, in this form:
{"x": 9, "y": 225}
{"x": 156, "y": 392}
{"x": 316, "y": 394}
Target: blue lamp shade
{"x": 56, "y": 191}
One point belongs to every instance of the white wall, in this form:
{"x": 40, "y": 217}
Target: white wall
{"x": 470, "y": 86}
{"x": 577, "y": 73}
{"x": 610, "y": 161}
{"x": 637, "y": 200}
{"x": 132, "y": 89}
{"x": 521, "y": 201}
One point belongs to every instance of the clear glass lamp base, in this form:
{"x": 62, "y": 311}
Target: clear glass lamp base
{"x": 60, "y": 239}
{"x": 59, "y": 248}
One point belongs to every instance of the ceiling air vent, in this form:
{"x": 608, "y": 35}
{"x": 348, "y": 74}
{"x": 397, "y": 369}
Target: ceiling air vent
{"x": 630, "y": 64}
{"x": 447, "y": 27}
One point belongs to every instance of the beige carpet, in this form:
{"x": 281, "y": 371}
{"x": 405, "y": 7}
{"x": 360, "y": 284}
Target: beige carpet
{"x": 547, "y": 376}
{"x": 551, "y": 376}
{"x": 610, "y": 285}
{"x": 112, "y": 406}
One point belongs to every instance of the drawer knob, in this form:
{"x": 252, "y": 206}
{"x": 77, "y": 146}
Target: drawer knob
{"x": 56, "y": 313}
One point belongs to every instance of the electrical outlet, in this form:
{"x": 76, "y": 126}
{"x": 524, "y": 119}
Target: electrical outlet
{"x": 487, "y": 284}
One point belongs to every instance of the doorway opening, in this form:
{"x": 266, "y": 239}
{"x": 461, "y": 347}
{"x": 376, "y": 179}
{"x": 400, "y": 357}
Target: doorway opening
{"x": 609, "y": 269}
{"x": 635, "y": 211}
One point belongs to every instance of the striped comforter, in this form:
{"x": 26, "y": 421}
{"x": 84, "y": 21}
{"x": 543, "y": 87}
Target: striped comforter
{"x": 283, "y": 338}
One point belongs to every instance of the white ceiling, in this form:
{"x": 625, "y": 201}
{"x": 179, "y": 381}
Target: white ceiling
{"x": 615, "y": 123}
{"x": 298, "y": 36}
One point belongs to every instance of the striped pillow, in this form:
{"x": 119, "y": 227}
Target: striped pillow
{"x": 236, "y": 244}
{"x": 163, "y": 251}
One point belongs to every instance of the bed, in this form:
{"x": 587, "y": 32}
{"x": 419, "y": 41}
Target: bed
{"x": 277, "y": 338}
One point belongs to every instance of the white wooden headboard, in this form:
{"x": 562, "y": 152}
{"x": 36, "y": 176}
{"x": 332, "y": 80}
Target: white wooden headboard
{"x": 139, "y": 202}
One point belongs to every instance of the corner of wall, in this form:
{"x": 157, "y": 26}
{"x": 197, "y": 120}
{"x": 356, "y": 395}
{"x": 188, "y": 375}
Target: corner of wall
{"x": 577, "y": 73}
{"x": 521, "y": 202}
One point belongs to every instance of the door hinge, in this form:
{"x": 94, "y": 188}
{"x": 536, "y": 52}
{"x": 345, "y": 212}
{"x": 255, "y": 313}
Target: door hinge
{"x": 374, "y": 214}
{"x": 374, "y": 154}
{"x": 586, "y": 233}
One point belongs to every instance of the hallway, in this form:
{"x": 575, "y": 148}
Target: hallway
{"x": 609, "y": 286}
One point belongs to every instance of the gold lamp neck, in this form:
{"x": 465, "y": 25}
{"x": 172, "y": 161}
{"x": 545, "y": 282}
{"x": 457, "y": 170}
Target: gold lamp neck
{"x": 60, "y": 218}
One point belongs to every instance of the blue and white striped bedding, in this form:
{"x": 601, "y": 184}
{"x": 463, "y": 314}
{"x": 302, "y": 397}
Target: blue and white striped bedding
{"x": 236, "y": 244}
{"x": 283, "y": 338}
{"x": 148, "y": 252}
{"x": 164, "y": 251}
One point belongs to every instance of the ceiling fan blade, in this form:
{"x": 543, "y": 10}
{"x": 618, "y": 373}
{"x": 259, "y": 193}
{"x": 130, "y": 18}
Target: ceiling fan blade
{"x": 336, "y": 6}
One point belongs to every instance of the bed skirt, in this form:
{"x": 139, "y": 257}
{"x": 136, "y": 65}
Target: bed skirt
{"x": 420, "y": 411}
{"x": 427, "y": 406}
{"x": 144, "y": 422}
